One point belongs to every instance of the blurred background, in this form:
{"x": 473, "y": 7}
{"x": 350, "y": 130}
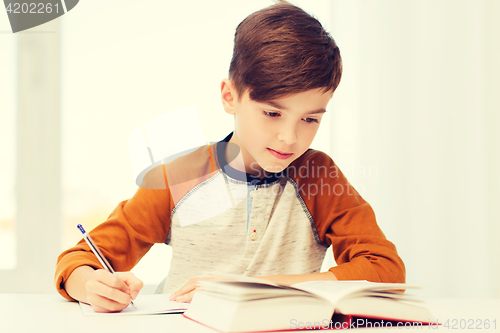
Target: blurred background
{"x": 413, "y": 125}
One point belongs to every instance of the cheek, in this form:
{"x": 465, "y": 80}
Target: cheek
{"x": 307, "y": 136}
{"x": 254, "y": 127}
{"x": 312, "y": 133}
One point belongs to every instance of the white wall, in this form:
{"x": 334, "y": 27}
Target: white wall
{"x": 419, "y": 104}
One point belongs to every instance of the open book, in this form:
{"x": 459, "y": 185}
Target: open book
{"x": 259, "y": 305}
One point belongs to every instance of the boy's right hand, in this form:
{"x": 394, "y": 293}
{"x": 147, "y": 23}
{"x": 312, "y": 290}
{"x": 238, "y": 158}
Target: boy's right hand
{"x": 111, "y": 293}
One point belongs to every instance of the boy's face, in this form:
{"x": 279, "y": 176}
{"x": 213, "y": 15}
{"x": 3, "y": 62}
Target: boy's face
{"x": 272, "y": 134}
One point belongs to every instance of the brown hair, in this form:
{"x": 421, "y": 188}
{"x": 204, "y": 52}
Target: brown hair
{"x": 281, "y": 50}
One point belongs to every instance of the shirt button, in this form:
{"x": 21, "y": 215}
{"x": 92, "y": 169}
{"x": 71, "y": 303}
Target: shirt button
{"x": 253, "y": 236}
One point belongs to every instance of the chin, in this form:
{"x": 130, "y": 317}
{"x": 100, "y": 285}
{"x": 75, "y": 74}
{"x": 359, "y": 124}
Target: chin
{"x": 275, "y": 169}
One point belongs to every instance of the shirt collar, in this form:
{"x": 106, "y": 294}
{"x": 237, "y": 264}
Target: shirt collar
{"x": 240, "y": 175}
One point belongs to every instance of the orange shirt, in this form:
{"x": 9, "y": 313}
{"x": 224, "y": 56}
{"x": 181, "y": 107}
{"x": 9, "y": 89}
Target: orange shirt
{"x": 217, "y": 219}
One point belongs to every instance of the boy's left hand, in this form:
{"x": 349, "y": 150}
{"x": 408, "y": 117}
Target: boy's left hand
{"x": 185, "y": 294}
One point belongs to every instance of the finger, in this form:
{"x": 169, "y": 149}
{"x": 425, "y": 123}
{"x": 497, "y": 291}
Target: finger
{"x": 186, "y": 298}
{"x": 193, "y": 284}
{"x": 98, "y": 288}
{"x": 102, "y": 304}
{"x": 99, "y": 309}
{"x": 135, "y": 285}
{"x": 111, "y": 280}
{"x": 188, "y": 287}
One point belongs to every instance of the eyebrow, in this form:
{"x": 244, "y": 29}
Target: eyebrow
{"x": 280, "y": 107}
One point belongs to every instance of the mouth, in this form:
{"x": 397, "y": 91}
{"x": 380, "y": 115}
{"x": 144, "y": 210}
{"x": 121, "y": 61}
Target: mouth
{"x": 279, "y": 154}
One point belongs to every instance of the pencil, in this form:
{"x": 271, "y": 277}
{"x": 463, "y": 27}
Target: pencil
{"x": 98, "y": 254}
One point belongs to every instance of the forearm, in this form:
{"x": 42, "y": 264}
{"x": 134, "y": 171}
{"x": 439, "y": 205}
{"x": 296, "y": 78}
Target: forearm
{"x": 75, "y": 285}
{"x": 123, "y": 239}
{"x": 292, "y": 279}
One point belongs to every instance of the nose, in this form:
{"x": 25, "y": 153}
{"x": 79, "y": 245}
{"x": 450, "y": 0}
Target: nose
{"x": 287, "y": 134}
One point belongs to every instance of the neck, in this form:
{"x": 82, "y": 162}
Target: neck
{"x": 234, "y": 156}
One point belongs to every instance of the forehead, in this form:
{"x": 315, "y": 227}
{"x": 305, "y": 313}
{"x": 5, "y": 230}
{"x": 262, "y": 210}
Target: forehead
{"x": 308, "y": 102}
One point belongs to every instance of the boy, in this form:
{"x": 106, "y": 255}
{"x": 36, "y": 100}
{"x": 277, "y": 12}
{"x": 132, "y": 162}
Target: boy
{"x": 258, "y": 203}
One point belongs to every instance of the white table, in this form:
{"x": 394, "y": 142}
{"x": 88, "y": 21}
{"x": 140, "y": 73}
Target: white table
{"x": 51, "y": 313}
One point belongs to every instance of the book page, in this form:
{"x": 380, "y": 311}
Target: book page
{"x": 146, "y": 305}
{"x": 334, "y": 291}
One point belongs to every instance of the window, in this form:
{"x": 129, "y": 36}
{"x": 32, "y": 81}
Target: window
{"x": 32, "y": 146}
{"x": 8, "y": 133}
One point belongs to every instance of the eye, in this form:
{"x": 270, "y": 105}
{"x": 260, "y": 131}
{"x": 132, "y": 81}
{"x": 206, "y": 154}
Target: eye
{"x": 272, "y": 114}
{"x": 310, "y": 120}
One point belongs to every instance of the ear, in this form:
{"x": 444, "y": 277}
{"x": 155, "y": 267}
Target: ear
{"x": 229, "y": 96}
